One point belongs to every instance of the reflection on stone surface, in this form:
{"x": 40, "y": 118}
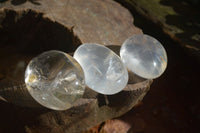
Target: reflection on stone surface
{"x": 103, "y": 69}
{"x": 144, "y": 55}
{"x": 55, "y": 80}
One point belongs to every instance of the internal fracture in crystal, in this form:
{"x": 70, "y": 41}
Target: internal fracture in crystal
{"x": 55, "y": 80}
{"x": 144, "y": 55}
{"x": 104, "y": 71}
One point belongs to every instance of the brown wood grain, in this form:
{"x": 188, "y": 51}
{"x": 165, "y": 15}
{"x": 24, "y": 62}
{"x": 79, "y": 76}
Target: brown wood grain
{"x": 30, "y": 27}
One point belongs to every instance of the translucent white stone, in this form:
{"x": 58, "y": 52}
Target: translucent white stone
{"x": 144, "y": 55}
{"x": 55, "y": 80}
{"x": 103, "y": 69}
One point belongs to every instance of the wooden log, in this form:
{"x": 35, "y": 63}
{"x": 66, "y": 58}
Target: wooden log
{"x": 31, "y": 27}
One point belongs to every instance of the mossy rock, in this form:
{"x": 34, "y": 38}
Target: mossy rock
{"x": 179, "y": 19}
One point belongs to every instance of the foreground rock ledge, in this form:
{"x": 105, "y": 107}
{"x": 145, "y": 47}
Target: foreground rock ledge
{"x": 31, "y": 27}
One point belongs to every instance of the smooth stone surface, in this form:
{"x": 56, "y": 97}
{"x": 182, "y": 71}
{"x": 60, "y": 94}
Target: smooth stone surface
{"x": 144, "y": 55}
{"x": 55, "y": 80}
{"x": 104, "y": 71}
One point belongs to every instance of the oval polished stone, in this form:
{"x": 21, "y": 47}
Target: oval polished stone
{"x": 144, "y": 55}
{"x": 104, "y": 71}
{"x": 55, "y": 80}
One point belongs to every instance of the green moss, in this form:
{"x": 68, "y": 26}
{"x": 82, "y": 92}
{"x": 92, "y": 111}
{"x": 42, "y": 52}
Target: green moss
{"x": 153, "y": 8}
{"x": 177, "y": 19}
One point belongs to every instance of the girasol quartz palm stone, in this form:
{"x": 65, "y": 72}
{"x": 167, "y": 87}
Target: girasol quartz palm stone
{"x": 104, "y": 71}
{"x": 144, "y": 55}
{"x": 55, "y": 80}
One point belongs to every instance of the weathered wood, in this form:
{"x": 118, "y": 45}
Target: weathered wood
{"x": 30, "y": 27}
{"x": 104, "y": 22}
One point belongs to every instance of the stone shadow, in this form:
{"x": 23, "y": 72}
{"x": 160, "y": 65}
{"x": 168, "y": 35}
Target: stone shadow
{"x": 29, "y": 32}
{"x": 19, "y": 2}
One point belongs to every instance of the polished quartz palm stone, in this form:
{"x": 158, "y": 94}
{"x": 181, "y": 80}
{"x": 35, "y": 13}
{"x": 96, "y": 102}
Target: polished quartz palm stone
{"x": 55, "y": 80}
{"x": 104, "y": 71}
{"x": 144, "y": 55}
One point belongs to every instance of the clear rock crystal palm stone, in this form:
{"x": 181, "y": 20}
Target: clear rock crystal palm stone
{"x": 55, "y": 80}
{"x": 144, "y": 55}
{"x": 104, "y": 71}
